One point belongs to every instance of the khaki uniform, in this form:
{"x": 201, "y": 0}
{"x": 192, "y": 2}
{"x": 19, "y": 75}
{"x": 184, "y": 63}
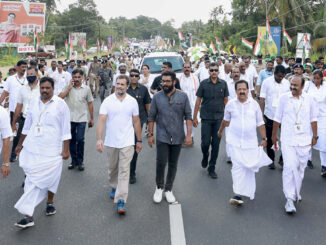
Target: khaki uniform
{"x": 93, "y": 77}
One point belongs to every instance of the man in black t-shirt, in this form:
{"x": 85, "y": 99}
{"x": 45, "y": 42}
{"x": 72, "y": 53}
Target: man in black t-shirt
{"x": 157, "y": 83}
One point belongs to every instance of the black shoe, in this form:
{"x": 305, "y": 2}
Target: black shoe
{"x": 81, "y": 167}
{"x": 50, "y": 209}
{"x": 323, "y": 171}
{"x": 25, "y": 222}
{"x": 192, "y": 141}
{"x": 310, "y": 165}
{"x": 13, "y": 159}
{"x": 212, "y": 174}
{"x": 204, "y": 162}
{"x": 271, "y": 166}
{"x": 71, "y": 165}
{"x": 229, "y": 161}
{"x": 132, "y": 179}
{"x": 236, "y": 200}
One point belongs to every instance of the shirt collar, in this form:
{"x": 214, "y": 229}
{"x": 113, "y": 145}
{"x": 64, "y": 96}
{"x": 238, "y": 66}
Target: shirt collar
{"x": 249, "y": 99}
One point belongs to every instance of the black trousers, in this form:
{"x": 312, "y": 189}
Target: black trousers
{"x": 166, "y": 153}
{"x": 209, "y": 129}
{"x": 269, "y": 131}
{"x": 20, "y": 121}
{"x": 133, "y": 162}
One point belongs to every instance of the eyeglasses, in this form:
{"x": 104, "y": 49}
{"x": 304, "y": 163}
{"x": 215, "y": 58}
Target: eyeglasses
{"x": 134, "y": 75}
{"x": 213, "y": 70}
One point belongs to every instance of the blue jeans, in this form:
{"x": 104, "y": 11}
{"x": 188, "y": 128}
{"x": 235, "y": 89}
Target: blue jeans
{"x": 77, "y": 142}
{"x": 209, "y": 137}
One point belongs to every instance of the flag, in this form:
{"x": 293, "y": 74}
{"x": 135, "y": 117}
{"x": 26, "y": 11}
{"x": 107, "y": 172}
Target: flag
{"x": 217, "y": 41}
{"x": 103, "y": 46}
{"x": 246, "y": 43}
{"x": 70, "y": 49}
{"x": 212, "y": 48}
{"x": 268, "y": 30}
{"x": 66, "y": 45}
{"x": 180, "y": 35}
{"x": 84, "y": 45}
{"x": 170, "y": 46}
{"x": 257, "y": 49}
{"x": 287, "y": 37}
{"x": 225, "y": 40}
{"x": 305, "y": 46}
{"x": 98, "y": 45}
{"x": 173, "y": 42}
{"x": 203, "y": 44}
{"x": 36, "y": 40}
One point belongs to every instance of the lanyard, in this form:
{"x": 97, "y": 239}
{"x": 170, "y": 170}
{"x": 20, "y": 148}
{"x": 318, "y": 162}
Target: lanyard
{"x": 297, "y": 112}
{"x": 42, "y": 112}
{"x": 193, "y": 79}
{"x": 19, "y": 80}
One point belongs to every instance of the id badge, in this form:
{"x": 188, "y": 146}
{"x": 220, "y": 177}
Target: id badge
{"x": 298, "y": 128}
{"x": 275, "y": 102}
{"x": 38, "y": 130}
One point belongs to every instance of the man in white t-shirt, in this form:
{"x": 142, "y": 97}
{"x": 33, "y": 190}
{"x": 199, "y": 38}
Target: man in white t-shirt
{"x": 120, "y": 138}
{"x": 61, "y": 79}
{"x": 53, "y": 69}
{"x": 5, "y": 133}
{"x": 271, "y": 90}
{"x": 202, "y": 72}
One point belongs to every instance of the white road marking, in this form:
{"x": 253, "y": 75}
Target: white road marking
{"x": 176, "y": 225}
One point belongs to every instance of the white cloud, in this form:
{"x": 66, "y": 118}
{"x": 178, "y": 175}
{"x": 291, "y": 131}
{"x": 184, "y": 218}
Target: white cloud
{"x": 179, "y": 10}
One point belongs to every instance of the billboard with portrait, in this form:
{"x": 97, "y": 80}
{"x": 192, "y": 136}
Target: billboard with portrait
{"x": 19, "y": 20}
{"x": 270, "y": 47}
{"x": 78, "y": 38}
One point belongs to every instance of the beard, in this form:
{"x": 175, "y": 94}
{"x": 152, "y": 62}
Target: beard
{"x": 167, "y": 89}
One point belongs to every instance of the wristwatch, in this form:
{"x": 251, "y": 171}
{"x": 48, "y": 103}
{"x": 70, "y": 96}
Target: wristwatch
{"x": 316, "y": 137}
{"x": 139, "y": 141}
{"x": 7, "y": 164}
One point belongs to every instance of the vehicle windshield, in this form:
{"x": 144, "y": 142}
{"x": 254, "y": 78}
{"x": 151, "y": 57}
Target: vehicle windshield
{"x": 155, "y": 63}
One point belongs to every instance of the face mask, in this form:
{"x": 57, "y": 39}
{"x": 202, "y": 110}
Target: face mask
{"x": 31, "y": 79}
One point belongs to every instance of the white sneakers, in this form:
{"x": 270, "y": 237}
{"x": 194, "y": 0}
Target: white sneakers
{"x": 289, "y": 207}
{"x": 157, "y": 198}
{"x": 169, "y": 197}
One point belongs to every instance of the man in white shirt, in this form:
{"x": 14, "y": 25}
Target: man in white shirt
{"x": 119, "y": 139}
{"x": 243, "y": 116}
{"x": 245, "y": 76}
{"x": 202, "y": 73}
{"x": 46, "y": 129}
{"x": 271, "y": 91}
{"x": 61, "y": 79}
{"x": 122, "y": 70}
{"x": 26, "y": 94}
{"x": 13, "y": 85}
{"x": 5, "y": 134}
{"x": 2, "y": 86}
{"x": 52, "y": 70}
{"x": 297, "y": 113}
{"x": 225, "y": 73}
{"x": 251, "y": 70}
{"x": 189, "y": 84}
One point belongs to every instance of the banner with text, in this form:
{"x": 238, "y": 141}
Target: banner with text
{"x": 270, "y": 47}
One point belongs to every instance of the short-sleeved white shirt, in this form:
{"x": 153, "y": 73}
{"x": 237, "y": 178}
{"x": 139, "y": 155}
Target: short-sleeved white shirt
{"x": 244, "y": 119}
{"x": 26, "y": 95}
{"x": 271, "y": 91}
{"x": 291, "y": 111}
{"x": 61, "y": 81}
{"x": 12, "y": 86}
{"x": 246, "y": 77}
{"x": 5, "y": 128}
{"x": 119, "y": 125}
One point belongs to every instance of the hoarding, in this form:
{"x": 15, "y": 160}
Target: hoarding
{"x": 110, "y": 42}
{"x": 270, "y": 47}
{"x": 78, "y": 38}
{"x": 19, "y": 20}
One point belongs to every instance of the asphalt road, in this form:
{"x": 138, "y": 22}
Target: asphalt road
{"x": 86, "y": 215}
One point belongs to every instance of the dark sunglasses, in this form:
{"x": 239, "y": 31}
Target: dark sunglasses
{"x": 134, "y": 75}
{"x": 213, "y": 70}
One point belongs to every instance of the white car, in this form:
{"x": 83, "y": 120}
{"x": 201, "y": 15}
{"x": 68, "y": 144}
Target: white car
{"x": 92, "y": 50}
{"x": 156, "y": 59}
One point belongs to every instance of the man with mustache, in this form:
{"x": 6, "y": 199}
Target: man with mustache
{"x": 297, "y": 113}
{"x": 120, "y": 113}
{"x": 271, "y": 91}
{"x": 243, "y": 116}
{"x": 169, "y": 109}
{"x": 13, "y": 85}
{"x": 46, "y": 129}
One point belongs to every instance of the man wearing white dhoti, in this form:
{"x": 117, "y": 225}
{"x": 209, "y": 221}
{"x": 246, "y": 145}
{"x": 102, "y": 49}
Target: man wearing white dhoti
{"x": 47, "y": 125}
{"x": 319, "y": 94}
{"x": 297, "y": 113}
{"x": 242, "y": 116}
{"x": 189, "y": 84}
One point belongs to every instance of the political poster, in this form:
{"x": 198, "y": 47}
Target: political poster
{"x": 110, "y": 42}
{"x": 78, "y": 38}
{"x": 270, "y": 47}
{"x": 19, "y": 20}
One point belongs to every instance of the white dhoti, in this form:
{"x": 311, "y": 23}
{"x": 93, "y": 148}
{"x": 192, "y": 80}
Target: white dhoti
{"x": 295, "y": 161}
{"x": 321, "y": 143}
{"x": 245, "y": 163}
{"x": 42, "y": 175}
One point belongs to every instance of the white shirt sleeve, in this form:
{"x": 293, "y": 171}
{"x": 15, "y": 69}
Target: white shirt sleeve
{"x": 103, "y": 109}
{"x": 5, "y": 128}
{"x": 313, "y": 110}
{"x": 263, "y": 90}
{"x": 279, "y": 109}
{"x": 135, "y": 109}
{"x": 28, "y": 121}
{"x": 227, "y": 112}
{"x": 6, "y": 86}
{"x": 65, "y": 127}
{"x": 259, "y": 116}
{"x": 20, "y": 99}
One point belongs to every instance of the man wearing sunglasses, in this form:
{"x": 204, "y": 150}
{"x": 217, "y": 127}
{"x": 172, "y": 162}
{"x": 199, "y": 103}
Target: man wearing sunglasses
{"x": 212, "y": 96}
{"x": 141, "y": 94}
{"x": 79, "y": 99}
